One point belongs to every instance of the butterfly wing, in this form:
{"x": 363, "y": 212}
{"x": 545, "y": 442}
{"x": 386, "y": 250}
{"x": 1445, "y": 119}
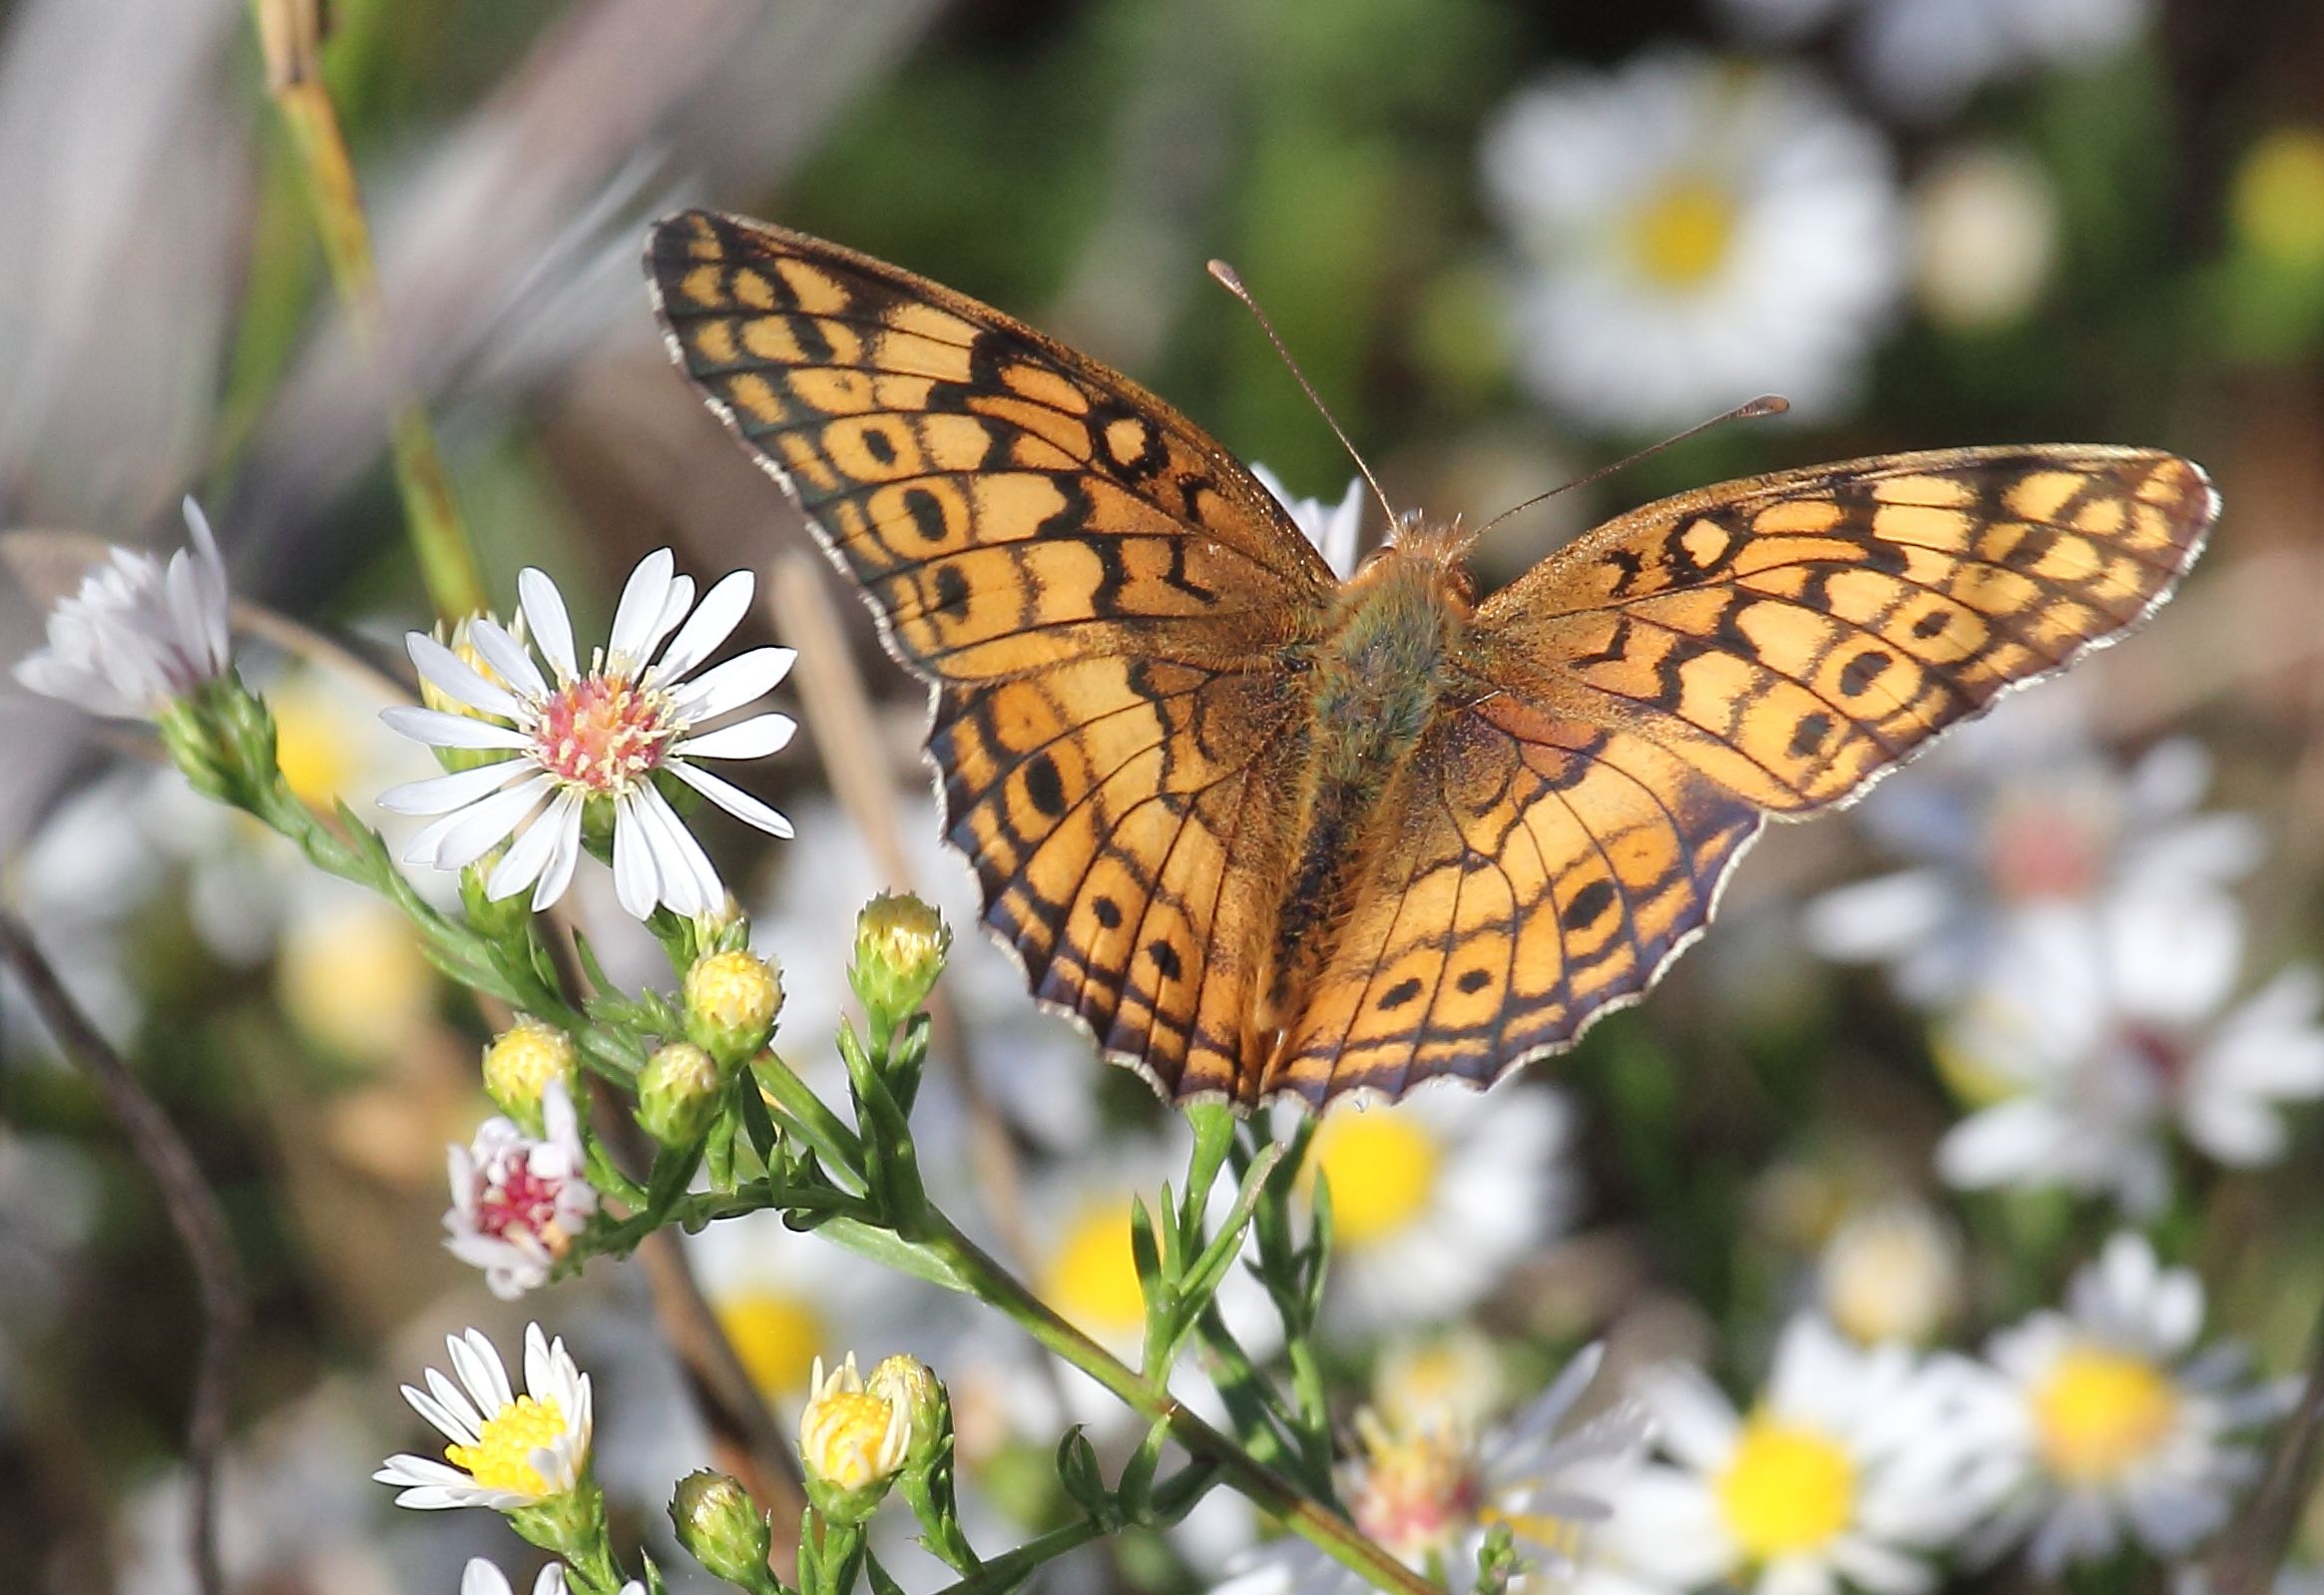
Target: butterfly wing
{"x": 1646, "y": 695}
{"x": 1099, "y": 595}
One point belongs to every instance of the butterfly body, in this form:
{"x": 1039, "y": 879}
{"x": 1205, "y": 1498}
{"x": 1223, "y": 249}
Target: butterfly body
{"x": 1266, "y": 833}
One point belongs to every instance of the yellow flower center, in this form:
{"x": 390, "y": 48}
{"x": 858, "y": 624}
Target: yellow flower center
{"x": 1092, "y": 1277}
{"x": 776, "y": 1337}
{"x": 2277, "y": 203}
{"x": 524, "y": 1058}
{"x": 1786, "y": 1489}
{"x": 502, "y": 1457}
{"x": 1415, "y": 1493}
{"x": 311, "y": 744}
{"x": 1383, "y": 1169}
{"x": 2099, "y": 1412}
{"x": 1681, "y": 236}
{"x": 355, "y": 980}
{"x": 845, "y": 1439}
{"x": 735, "y": 990}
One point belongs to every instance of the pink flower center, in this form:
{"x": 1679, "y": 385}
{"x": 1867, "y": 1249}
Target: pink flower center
{"x": 603, "y": 733}
{"x": 1416, "y": 1496}
{"x": 522, "y": 1202}
{"x": 2041, "y": 852}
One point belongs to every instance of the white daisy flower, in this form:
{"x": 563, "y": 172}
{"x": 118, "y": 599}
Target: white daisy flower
{"x": 2023, "y": 810}
{"x": 1891, "y": 1273}
{"x": 596, "y": 735}
{"x": 2127, "y": 1429}
{"x": 1429, "y": 1496}
{"x": 1853, "y": 1468}
{"x": 480, "y": 1577}
{"x": 1693, "y": 233}
{"x": 1435, "y": 1196}
{"x": 517, "y": 1202}
{"x": 138, "y": 636}
{"x": 2105, "y": 1028}
{"x": 507, "y": 1450}
{"x": 1985, "y": 232}
{"x": 1924, "y": 57}
{"x": 1332, "y": 528}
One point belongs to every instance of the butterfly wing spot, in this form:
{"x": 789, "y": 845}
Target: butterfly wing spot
{"x": 1587, "y": 906}
{"x": 1044, "y": 786}
{"x": 1106, "y": 911}
{"x": 1706, "y": 543}
{"x": 1473, "y": 981}
{"x": 1165, "y": 961}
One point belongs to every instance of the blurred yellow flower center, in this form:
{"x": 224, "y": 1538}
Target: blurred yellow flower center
{"x": 1382, "y": 1167}
{"x": 1786, "y": 1489}
{"x": 1681, "y": 236}
{"x": 355, "y": 980}
{"x": 2278, "y": 198}
{"x": 2101, "y": 1411}
{"x": 845, "y": 1439}
{"x": 502, "y": 1457}
{"x": 312, "y": 743}
{"x": 777, "y": 1338}
{"x": 1092, "y": 1277}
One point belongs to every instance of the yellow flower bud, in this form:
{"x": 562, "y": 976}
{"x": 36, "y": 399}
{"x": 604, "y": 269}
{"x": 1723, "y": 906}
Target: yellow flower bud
{"x": 912, "y": 1388}
{"x": 521, "y": 1062}
{"x": 852, "y": 1443}
{"x": 900, "y": 947}
{"x": 731, "y": 1001}
{"x": 679, "y": 1093}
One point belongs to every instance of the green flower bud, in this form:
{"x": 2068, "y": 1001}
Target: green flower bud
{"x": 900, "y": 947}
{"x": 521, "y": 1062}
{"x": 912, "y": 1387}
{"x": 720, "y": 1527}
{"x": 680, "y": 1092}
{"x": 220, "y": 739}
{"x": 731, "y": 1001}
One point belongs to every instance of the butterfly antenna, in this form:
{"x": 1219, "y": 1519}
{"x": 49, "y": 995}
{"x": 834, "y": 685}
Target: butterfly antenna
{"x": 1233, "y": 285}
{"x": 1764, "y": 404}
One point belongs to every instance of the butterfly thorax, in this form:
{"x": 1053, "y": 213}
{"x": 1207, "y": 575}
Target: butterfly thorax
{"x": 1395, "y": 636}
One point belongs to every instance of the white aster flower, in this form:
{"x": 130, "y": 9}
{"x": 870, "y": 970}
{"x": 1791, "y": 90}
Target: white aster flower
{"x": 1924, "y": 57}
{"x": 518, "y": 1202}
{"x": 1433, "y": 1198}
{"x": 2103, "y": 1029}
{"x": 1693, "y": 233}
{"x": 138, "y": 635}
{"x": 480, "y": 1577}
{"x": 1332, "y": 528}
{"x": 508, "y": 1451}
{"x": 601, "y": 735}
{"x": 2127, "y": 1429}
{"x": 1891, "y": 1273}
{"x": 2023, "y": 810}
{"x": 1429, "y": 1495}
{"x": 1854, "y": 1467}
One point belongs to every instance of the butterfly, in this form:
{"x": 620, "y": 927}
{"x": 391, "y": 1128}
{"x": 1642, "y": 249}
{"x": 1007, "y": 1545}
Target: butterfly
{"x": 1268, "y": 833}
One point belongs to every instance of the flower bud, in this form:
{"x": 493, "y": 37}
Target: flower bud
{"x": 912, "y": 1388}
{"x": 852, "y": 1443}
{"x": 731, "y": 1000}
{"x": 680, "y": 1092}
{"x": 900, "y": 947}
{"x": 521, "y": 1062}
{"x": 720, "y": 1527}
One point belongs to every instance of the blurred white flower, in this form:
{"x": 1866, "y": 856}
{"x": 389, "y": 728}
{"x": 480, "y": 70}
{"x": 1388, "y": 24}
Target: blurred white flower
{"x": 2125, "y": 1428}
{"x": 1924, "y": 57}
{"x": 138, "y": 635}
{"x": 600, "y": 735}
{"x": 1891, "y": 1273}
{"x": 1332, "y": 528}
{"x": 1693, "y": 233}
{"x": 1854, "y": 1465}
{"x": 2104, "y": 1028}
{"x": 2023, "y": 810}
{"x": 480, "y": 1577}
{"x": 508, "y": 1451}
{"x": 1433, "y": 1198}
{"x": 1985, "y": 236}
{"x": 518, "y": 1203}
{"x": 1454, "y": 1377}
{"x": 1428, "y": 1496}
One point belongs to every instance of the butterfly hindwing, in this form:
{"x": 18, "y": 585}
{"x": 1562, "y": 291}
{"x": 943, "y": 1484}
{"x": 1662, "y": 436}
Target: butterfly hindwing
{"x": 1796, "y": 636}
{"x": 1003, "y": 502}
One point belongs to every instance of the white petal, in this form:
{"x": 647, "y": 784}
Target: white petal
{"x": 552, "y": 1581}
{"x": 530, "y": 853}
{"x": 506, "y": 655}
{"x": 546, "y": 619}
{"x": 680, "y": 857}
{"x": 755, "y": 737}
{"x": 448, "y": 669}
{"x": 477, "y": 829}
{"x": 635, "y": 882}
{"x": 480, "y": 1577}
{"x": 732, "y": 799}
{"x": 440, "y": 795}
{"x": 439, "y": 730}
{"x": 565, "y": 815}
{"x": 722, "y": 609}
{"x": 477, "y": 1362}
{"x": 639, "y": 610}
{"x": 732, "y": 684}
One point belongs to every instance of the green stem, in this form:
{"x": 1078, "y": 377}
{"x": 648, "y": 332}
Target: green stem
{"x": 1335, "y": 1536}
{"x": 1011, "y": 1568}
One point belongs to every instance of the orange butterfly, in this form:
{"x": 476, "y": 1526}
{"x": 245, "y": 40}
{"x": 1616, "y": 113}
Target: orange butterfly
{"x": 1266, "y": 833}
